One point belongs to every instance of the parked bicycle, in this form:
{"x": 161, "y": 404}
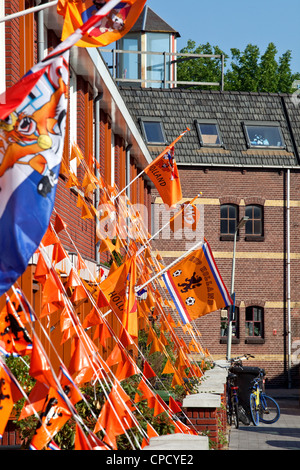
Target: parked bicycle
{"x": 232, "y": 400}
{"x": 235, "y": 411}
{"x": 263, "y": 408}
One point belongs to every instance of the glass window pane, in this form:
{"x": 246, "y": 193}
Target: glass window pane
{"x": 248, "y": 227}
{"x": 232, "y": 225}
{"x": 257, "y": 329}
{"x": 257, "y": 227}
{"x": 224, "y": 226}
{"x": 224, "y": 211}
{"x": 129, "y": 63}
{"x": 157, "y": 42}
{"x": 232, "y": 212}
{"x": 248, "y": 211}
{"x": 249, "y": 314}
{"x": 257, "y": 212}
{"x": 153, "y": 131}
{"x": 264, "y": 136}
{"x": 249, "y": 329}
{"x": 209, "y": 134}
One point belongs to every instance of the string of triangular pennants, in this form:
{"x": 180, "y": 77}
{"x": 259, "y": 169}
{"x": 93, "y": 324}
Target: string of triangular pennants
{"x": 55, "y": 297}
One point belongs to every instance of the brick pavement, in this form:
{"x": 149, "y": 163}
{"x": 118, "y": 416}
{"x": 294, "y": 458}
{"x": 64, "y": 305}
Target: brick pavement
{"x": 283, "y": 435}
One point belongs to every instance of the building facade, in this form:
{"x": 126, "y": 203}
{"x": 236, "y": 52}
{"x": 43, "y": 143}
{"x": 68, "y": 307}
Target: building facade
{"x": 235, "y": 175}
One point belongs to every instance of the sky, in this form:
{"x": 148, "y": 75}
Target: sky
{"x": 235, "y": 23}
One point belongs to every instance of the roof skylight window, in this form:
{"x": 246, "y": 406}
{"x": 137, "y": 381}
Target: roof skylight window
{"x": 208, "y": 133}
{"x": 264, "y": 135}
{"x": 153, "y": 131}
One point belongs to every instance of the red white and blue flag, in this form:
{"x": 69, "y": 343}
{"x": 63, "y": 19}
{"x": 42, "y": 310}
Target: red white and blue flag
{"x": 196, "y": 286}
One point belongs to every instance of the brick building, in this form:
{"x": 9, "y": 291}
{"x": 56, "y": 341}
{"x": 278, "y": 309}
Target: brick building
{"x": 237, "y": 176}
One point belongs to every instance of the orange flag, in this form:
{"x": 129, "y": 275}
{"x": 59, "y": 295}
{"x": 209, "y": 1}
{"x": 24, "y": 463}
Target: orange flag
{"x": 173, "y": 405}
{"x": 115, "y": 416}
{"x": 54, "y": 415}
{"x": 148, "y": 372}
{"x": 196, "y": 286}
{"x": 36, "y": 400}
{"x": 14, "y": 338}
{"x": 164, "y": 175}
{"x": 150, "y": 433}
{"x": 40, "y": 367}
{"x": 87, "y": 441}
{"x": 10, "y": 393}
{"x": 118, "y": 289}
{"x": 113, "y": 26}
{"x": 188, "y": 216}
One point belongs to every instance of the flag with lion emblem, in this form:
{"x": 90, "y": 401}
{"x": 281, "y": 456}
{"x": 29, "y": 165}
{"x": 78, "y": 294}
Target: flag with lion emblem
{"x": 196, "y": 286}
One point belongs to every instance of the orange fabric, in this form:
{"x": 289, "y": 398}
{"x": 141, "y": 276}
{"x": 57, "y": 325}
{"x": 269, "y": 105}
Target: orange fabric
{"x": 148, "y": 372}
{"x": 118, "y": 289}
{"x": 59, "y": 224}
{"x": 165, "y": 176}
{"x": 188, "y": 216}
{"x": 169, "y": 368}
{"x": 55, "y": 414}
{"x": 173, "y": 405}
{"x": 40, "y": 368}
{"x": 9, "y": 394}
{"x": 197, "y": 284}
{"x": 36, "y": 400}
{"x": 113, "y": 27}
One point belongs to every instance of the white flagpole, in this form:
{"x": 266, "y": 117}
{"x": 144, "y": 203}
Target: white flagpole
{"x": 170, "y": 265}
{"x": 43, "y": 6}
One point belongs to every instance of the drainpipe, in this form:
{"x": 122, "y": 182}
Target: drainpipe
{"x": 288, "y": 248}
{"x": 128, "y": 148}
{"x": 288, "y": 241}
{"x": 97, "y": 99}
{"x": 128, "y": 169}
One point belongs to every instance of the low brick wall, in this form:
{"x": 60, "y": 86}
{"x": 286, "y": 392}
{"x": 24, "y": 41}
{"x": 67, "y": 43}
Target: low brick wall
{"x": 206, "y": 410}
{"x": 11, "y": 436}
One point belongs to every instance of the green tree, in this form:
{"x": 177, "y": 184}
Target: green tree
{"x": 200, "y": 69}
{"x": 244, "y": 72}
{"x": 285, "y": 76}
{"x": 247, "y": 71}
{"x": 268, "y": 70}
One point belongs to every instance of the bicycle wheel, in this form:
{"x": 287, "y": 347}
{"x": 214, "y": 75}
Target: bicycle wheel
{"x": 236, "y": 415}
{"x": 254, "y": 411}
{"x": 269, "y": 409}
{"x": 229, "y": 413}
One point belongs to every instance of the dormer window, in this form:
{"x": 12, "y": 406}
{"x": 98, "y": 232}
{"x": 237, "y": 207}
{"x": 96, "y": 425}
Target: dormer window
{"x": 208, "y": 133}
{"x": 263, "y": 135}
{"x": 153, "y": 131}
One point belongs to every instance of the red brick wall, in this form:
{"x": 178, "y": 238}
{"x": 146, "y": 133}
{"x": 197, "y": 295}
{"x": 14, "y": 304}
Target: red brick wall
{"x": 259, "y": 279}
{"x": 211, "y": 422}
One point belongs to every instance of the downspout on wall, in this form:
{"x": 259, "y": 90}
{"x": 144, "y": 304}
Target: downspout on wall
{"x": 97, "y": 100}
{"x": 288, "y": 262}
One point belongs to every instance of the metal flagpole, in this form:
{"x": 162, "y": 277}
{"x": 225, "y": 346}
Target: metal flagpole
{"x": 170, "y": 265}
{"x": 28, "y": 10}
{"x": 152, "y": 163}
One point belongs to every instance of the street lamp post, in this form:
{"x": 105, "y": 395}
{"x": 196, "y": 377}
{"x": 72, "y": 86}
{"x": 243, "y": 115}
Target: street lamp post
{"x": 230, "y": 319}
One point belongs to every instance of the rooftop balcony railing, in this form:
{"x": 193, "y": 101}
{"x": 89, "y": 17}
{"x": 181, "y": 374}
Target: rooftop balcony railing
{"x": 148, "y": 63}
